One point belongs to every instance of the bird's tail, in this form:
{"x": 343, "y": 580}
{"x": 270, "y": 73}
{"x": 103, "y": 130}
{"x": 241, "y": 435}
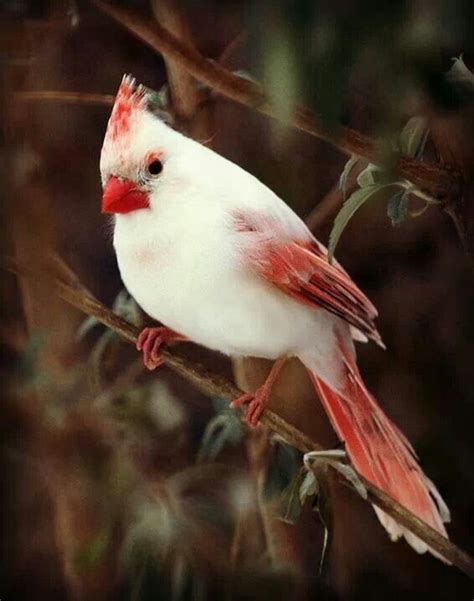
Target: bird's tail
{"x": 382, "y": 454}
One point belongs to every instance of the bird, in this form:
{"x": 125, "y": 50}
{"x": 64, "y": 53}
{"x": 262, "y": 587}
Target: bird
{"x": 210, "y": 252}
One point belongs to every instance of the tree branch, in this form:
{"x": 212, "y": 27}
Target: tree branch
{"x": 190, "y": 102}
{"x": 72, "y": 291}
{"x": 67, "y": 97}
{"x": 185, "y": 95}
{"x": 452, "y": 209}
{"x": 433, "y": 178}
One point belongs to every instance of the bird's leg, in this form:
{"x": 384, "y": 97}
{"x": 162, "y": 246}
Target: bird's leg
{"x": 150, "y": 340}
{"x": 258, "y": 400}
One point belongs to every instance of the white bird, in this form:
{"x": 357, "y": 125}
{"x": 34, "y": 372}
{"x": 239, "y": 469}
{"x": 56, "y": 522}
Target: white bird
{"x": 211, "y": 252}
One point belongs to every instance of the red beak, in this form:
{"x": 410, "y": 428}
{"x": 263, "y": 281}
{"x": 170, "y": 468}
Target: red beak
{"x": 122, "y": 196}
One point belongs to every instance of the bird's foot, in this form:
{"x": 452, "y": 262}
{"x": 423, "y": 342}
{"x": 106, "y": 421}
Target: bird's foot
{"x": 150, "y": 341}
{"x": 256, "y": 402}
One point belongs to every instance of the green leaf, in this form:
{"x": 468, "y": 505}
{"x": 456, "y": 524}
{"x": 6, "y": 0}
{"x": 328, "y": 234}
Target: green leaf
{"x": 290, "y": 505}
{"x": 413, "y": 137}
{"x": 126, "y": 306}
{"x": 180, "y": 576}
{"x": 460, "y": 73}
{"x": 284, "y": 463}
{"x": 86, "y": 326}
{"x": 243, "y": 74}
{"x": 352, "y": 204}
{"x": 326, "y": 515}
{"x": 397, "y": 207}
{"x": 374, "y": 175}
{"x": 93, "y": 552}
{"x": 309, "y": 487}
{"x": 345, "y": 174}
{"x": 280, "y": 75}
{"x": 96, "y": 357}
{"x": 367, "y": 177}
{"x": 159, "y": 103}
{"x": 34, "y": 347}
{"x": 224, "y": 428}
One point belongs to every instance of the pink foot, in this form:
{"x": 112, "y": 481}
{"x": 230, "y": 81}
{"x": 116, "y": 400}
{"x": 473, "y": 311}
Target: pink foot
{"x": 257, "y": 401}
{"x": 150, "y": 340}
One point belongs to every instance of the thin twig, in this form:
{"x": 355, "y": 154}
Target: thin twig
{"x": 216, "y": 385}
{"x": 66, "y": 97}
{"x": 452, "y": 210}
{"x": 328, "y": 205}
{"x": 433, "y": 178}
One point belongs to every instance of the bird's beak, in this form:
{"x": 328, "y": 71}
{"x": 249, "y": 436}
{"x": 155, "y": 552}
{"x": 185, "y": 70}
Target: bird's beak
{"x": 122, "y": 196}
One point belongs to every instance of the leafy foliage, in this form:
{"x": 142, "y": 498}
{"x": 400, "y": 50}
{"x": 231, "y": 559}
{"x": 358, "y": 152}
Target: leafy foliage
{"x": 224, "y": 428}
{"x": 291, "y": 502}
{"x": 397, "y": 207}
{"x": 345, "y": 174}
{"x": 378, "y": 182}
{"x": 125, "y": 306}
{"x": 284, "y": 463}
{"x": 349, "y": 208}
{"x": 93, "y": 553}
{"x": 459, "y": 73}
{"x": 310, "y": 484}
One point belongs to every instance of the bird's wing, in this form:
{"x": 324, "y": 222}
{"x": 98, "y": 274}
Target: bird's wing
{"x": 301, "y": 269}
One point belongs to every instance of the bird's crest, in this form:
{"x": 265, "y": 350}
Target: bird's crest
{"x": 129, "y": 102}
{"x": 132, "y": 103}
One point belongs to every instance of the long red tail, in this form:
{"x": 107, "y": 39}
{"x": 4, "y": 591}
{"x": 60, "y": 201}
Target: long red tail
{"x": 381, "y": 453}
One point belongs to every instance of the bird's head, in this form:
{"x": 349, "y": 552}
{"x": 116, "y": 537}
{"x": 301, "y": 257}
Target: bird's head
{"x": 137, "y": 152}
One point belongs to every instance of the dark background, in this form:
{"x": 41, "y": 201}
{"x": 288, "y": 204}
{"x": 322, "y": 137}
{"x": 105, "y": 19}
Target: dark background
{"x": 87, "y": 507}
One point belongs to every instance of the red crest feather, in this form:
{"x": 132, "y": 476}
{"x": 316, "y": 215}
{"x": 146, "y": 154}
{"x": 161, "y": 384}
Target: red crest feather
{"x": 130, "y": 99}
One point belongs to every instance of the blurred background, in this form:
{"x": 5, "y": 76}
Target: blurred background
{"x": 121, "y": 484}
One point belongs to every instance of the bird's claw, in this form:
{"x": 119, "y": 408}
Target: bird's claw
{"x": 256, "y": 401}
{"x": 150, "y": 341}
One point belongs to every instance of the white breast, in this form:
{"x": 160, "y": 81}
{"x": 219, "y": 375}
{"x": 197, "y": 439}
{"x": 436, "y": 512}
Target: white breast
{"x": 184, "y": 272}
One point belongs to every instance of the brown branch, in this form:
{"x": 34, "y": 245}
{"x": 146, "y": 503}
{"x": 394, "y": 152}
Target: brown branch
{"x": 216, "y": 385}
{"x": 66, "y": 97}
{"x": 452, "y": 209}
{"x": 185, "y": 94}
{"x": 190, "y": 102}
{"x": 435, "y": 179}
{"x": 328, "y": 205}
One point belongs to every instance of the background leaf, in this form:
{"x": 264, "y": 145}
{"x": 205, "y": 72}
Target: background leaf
{"x": 352, "y": 204}
{"x": 413, "y": 137}
{"x": 397, "y": 208}
{"x": 309, "y": 487}
{"x": 224, "y": 428}
{"x": 345, "y": 174}
{"x": 86, "y": 326}
{"x": 290, "y": 504}
{"x": 283, "y": 465}
{"x": 460, "y": 73}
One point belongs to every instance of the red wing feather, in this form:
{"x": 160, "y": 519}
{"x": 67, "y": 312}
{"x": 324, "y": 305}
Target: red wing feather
{"x": 302, "y": 270}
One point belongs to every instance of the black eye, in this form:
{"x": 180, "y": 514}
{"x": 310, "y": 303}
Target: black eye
{"x": 155, "y": 167}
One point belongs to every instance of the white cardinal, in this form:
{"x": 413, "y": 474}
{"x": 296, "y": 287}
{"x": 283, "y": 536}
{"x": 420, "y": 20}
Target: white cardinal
{"x": 209, "y": 251}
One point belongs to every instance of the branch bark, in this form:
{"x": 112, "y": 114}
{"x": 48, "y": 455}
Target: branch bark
{"x": 190, "y": 103}
{"x": 66, "y": 97}
{"x": 433, "y": 178}
{"x": 215, "y": 385}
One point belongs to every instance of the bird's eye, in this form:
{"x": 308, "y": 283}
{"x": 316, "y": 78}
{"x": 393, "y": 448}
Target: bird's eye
{"x": 155, "y": 167}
